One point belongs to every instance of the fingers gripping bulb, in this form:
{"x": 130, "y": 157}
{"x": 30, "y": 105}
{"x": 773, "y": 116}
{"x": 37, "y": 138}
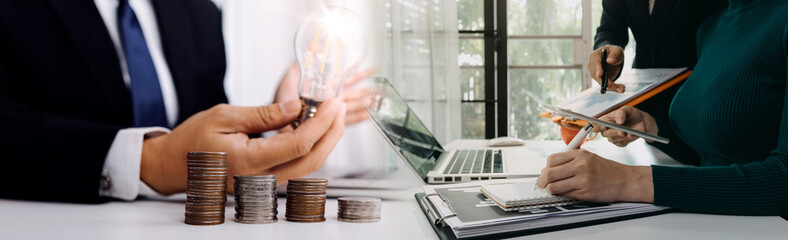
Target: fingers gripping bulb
{"x": 330, "y": 45}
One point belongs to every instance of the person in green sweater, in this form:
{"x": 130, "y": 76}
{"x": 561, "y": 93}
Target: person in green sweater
{"x": 732, "y": 112}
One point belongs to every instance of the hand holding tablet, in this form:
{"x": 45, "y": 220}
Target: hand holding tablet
{"x": 573, "y": 115}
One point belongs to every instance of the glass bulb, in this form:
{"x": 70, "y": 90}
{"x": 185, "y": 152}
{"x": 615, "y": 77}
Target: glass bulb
{"x": 329, "y": 47}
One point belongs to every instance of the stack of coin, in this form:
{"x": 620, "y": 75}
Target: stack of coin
{"x": 255, "y": 199}
{"x": 206, "y": 187}
{"x": 358, "y": 209}
{"x": 306, "y": 200}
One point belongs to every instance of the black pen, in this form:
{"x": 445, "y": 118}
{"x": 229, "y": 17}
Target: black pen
{"x": 603, "y": 80}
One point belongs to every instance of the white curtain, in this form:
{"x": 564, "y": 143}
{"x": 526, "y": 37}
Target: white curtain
{"x": 412, "y": 42}
{"x": 421, "y": 59}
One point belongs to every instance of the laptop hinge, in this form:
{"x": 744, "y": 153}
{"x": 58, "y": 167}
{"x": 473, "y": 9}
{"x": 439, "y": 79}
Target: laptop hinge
{"x": 440, "y": 160}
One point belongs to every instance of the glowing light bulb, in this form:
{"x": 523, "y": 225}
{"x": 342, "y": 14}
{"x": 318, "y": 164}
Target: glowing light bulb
{"x": 330, "y": 45}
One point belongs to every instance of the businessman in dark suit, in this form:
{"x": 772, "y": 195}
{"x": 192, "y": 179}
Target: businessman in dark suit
{"x": 664, "y": 31}
{"x": 89, "y": 90}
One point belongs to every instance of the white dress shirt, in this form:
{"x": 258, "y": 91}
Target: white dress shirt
{"x": 650, "y": 6}
{"x": 121, "y": 173}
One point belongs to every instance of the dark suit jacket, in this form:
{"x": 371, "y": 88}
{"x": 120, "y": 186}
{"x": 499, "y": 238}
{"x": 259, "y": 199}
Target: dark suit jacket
{"x": 665, "y": 39}
{"x": 62, "y": 96}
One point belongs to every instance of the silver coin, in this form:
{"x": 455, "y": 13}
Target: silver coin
{"x": 377, "y": 209}
{"x": 358, "y": 211}
{"x": 255, "y": 177}
{"x": 359, "y": 206}
{"x": 357, "y": 216}
{"x": 359, "y": 200}
{"x": 256, "y": 211}
{"x": 255, "y": 181}
{"x": 359, "y": 220}
{"x": 253, "y": 209}
{"x": 267, "y": 221}
{"x": 257, "y": 215}
{"x": 256, "y": 208}
{"x": 256, "y": 203}
{"x": 255, "y": 194}
{"x": 362, "y": 214}
{"x": 263, "y": 180}
{"x": 253, "y": 200}
{"x": 265, "y": 189}
{"x": 255, "y": 218}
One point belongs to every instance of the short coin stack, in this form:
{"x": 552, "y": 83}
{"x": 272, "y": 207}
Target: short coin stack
{"x": 306, "y": 200}
{"x": 255, "y": 199}
{"x": 358, "y": 209}
{"x": 206, "y": 187}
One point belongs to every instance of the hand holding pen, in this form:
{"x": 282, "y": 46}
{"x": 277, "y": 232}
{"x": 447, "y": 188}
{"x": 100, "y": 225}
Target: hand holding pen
{"x": 606, "y": 63}
{"x": 576, "y": 141}
{"x": 586, "y": 176}
{"x": 579, "y": 138}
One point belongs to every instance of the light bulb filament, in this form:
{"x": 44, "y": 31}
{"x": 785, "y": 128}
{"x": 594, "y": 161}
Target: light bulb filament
{"x": 325, "y": 54}
{"x": 339, "y": 54}
{"x": 312, "y": 47}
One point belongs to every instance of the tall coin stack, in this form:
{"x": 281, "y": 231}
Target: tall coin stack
{"x": 358, "y": 209}
{"x": 255, "y": 199}
{"x": 206, "y": 187}
{"x": 306, "y": 200}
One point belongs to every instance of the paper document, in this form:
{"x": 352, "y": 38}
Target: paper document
{"x": 637, "y": 81}
{"x": 469, "y": 213}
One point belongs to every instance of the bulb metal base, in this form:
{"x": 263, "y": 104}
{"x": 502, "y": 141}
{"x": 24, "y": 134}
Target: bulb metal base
{"x": 308, "y": 110}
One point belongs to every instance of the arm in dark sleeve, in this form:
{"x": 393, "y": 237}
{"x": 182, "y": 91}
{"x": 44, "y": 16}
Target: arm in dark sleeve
{"x": 659, "y": 108}
{"x": 612, "y": 28}
{"x": 46, "y": 156}
{"x": 756, "y": 188}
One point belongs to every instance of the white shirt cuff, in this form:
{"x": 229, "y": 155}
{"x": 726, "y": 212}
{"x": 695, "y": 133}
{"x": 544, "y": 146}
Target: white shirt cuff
{"x": 121, "y": 174}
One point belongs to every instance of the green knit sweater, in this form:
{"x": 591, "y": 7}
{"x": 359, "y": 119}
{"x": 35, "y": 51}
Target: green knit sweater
{"x": 733, "y": 112}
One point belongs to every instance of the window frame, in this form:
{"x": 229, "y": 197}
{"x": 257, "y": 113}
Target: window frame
{"x": 496, "y": 63}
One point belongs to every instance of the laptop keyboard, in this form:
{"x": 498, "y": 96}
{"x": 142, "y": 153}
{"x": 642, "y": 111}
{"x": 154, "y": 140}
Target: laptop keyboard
{"x": 475, "y": 161}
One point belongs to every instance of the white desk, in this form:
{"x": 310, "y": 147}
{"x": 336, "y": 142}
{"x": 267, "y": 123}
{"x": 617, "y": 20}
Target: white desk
{"x": 402, "y": 219}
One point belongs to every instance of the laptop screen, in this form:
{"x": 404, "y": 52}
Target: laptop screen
{"x": 403, "y": 129}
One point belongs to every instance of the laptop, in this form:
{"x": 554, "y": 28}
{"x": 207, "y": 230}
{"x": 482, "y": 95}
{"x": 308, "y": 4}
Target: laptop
{"x": 419, "y": 149}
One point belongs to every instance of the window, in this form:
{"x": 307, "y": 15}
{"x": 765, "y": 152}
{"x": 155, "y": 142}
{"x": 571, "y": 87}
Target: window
{"x": 507, "y": 76}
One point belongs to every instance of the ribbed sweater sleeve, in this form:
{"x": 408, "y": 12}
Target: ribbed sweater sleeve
{"x": 755, "y": 188}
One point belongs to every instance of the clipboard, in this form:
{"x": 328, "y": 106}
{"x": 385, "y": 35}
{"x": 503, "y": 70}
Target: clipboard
{"x": 445, "y": 232}
{"x": 566, "y": 113}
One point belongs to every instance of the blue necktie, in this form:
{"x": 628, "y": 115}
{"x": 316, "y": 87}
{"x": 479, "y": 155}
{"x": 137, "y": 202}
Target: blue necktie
{"x": 146, "y": 99}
